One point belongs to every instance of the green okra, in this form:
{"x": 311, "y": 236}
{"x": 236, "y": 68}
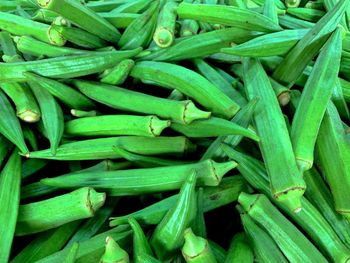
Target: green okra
{"x": 213, "y": 197}
{"x": 72, "y": 254}
{"x": 119, "y": 73}
{"x": 292, "y": 3}
{"x": 265, "y": 248}
{"x": 31, "y": 166}
{"x": 199, "y": 226}
{"x": 124, "y": 99}
{"x": 196, "y": 249}
{"x": 114, "y": 253}
{"x": 213, "y": 127}
{"x": 303, "y": 52}
{"x": 80, "y": 37}
{"x": 6, "y": 6}
{"x": 9, "y": 124}
{"x": 278, "y": 3}
{"x": 287, "y": 184}
{"x": 329, "y": 4}
{"x": 188, "y": 82}
{"x": 112, "y": 125}
{"x": 219, "y": 252}
{"x": 120, "y": 20}
{"x": 44, "y": 15}
{"x": 105, "y": 6}
{"x": 273, "y": 44}
{"x": 307, "y": 14}
{"x": 189, "y": 27}
{"x": 46, "y": 243}
{"x": 64, "y": 67}
{"x": 309, "y": 218}
{"x": 82, "y": 113}
{"x": 131, "y": 7}
{"x": 83, "y": 17}
{"x": 228, "y": 16}
{"x": 332, "y": 151}
{"x": 165, "y": 30}
{"x": 139, "y": 33}
{"x": 240, "y": 249}
{"x": 30, "y": 137}
{"x": 103, "y": 148}
{"x": 10, "y": 184}
{"x": 237, "y": 3}
{"x": 202, "y": 45}
{"x": 294, "y": 245}
{"x": 67, "y": 95}
{"x": 168, "y": 236}
{"x": 270, "y": 11}
{"x": 5, "y": 148}
{"x": 314, "y": 99}
{"x": 50, "y": 213}
{"x": 52, "y": 115}
{"x": 36, "y": 189}
{"x": 291, "y": 22}
{"x": 6, "y": 44}
{"x": 18, "y": 25}
{"x": 144, "y": 180}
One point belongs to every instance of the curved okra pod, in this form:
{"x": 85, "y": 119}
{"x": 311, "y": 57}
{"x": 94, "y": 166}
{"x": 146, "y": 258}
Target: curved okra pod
{"x": 144, "y": 180}
{"x": 287, "y": 184}
{"x": 10, "y": 181}
{"x": 314, "y": 99}
{"x": 187, "y": 82}
{"x": 52, "y": 115}
{"x": 124, "y": 99}
{"x": 149, "y": 126}
{"x": 294, "y": 245}
{"x": 114, "y": 253}
{"x": 196, "y": 249}
{"x": 228, "y": 16}
{"x": 9, "y": 124}
{"x": 119, "y": 73}
{"x": 64, "y": 67}
{"x": 103, "y": 148}
{"x": 169, "y": 233}
{"x": 240, "y": 249}
{"x": 50, "y": 213}
{"x": 82, "y": 16}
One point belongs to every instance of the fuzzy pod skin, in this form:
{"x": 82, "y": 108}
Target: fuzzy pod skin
{"x": 144, "y": 180}
{"x": 83, "y": 17}
{"x": 9, "y": 124}
{"x": 114, "y": 253}
{"x": 333, "y": 158}
{"x": 294, "y": 245}
{"x": 240, "y": 249}
{"x": 314, "y": 99}
{"x": 228, "y": 16}
{"x": 119, "y": 73}
{"x": 124, "y": 99}
{"x": 169, "y": 233}
{"x": 10, "y": 181}
{"x": 287, "y": 184}
{"x": 188, "y": 82}
{"x": 103, "y": 148}
{"x": 64, "y": 67}
{"x": 43, "y": 215}
{"x": 52, "y": 115}
{"x": 264, "y": 246}
{"x": 67, "y": 95}
{"x": 213, "y": 197}
{"x": 112, "y": 125}
{"x": 197, "y": 249}
{"x": 273, "y": 44}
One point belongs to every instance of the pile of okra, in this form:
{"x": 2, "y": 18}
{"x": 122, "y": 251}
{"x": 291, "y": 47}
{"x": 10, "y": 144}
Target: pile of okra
{"x": 197, "y": 131}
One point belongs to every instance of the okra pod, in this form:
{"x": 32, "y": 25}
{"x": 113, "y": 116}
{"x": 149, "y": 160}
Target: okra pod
{"x": 72, "y": 254}
{"x": 119, "y": 73}
{"x": 5, "y": 148}
{"x": 292, "y": 3}
{"x": 307, "y": 14}
{"x": 198, "y": 226}
{"x": 131, "y": 7}
{"x": 114, "y": 253}
{"x": 40, "y": 216}
{"x": 240, "y": 249}
{"x": 82, "y": 113}
{"x": 36, "y": 189}
{"x": 105, "y": 6}
{"x": 270, "y": 11}
{"x": 120, "y": 20}
{"x": 44, "y": 15}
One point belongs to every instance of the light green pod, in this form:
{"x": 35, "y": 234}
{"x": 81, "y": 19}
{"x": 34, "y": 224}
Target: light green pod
{"x": 44, "y": 15}
{"x": 213, "y": 127}
{"x": 105, "y": 6}
{"x": 9, "y": 124}
{"x": 131, "y": 7}
{"x": 328, "y": 5}
{"x": 144, "y": 180}
{"x": 287, "y": 185}
{"x": 188, "y": 82}
{"x": 169, "y": 233}
{"x": 82, "y": 114}
{"x": 314, "y": 99}
{"x": 103, "y": 148}
{"x": 72, "y": 254}
{"x": 294, "y": 245}
{"x": 196, "y": 249}
{"x": 10, "y": 184}
{"x": 118, "y": 74}
{"x": 240, "y": 249}
{"x": 120, "y": 20}
{"x": 291, "y": 22}
{"x": 292, "y": 3}
{"x": 228, "y": 16}
{"x": 189, "y": 27}
{"x": 199, "y": 226}
{"x": 50, "y": 213}
{"x": 308, "y": 14}
{"x": 114, "y": 253}
{"x": 83, "y": 17}
{"x": 124, "y": 99}
{"x": 52, "y": 115}
{"x": 36, "y": 189}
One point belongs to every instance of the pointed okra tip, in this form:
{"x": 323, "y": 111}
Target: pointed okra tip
{"x": 194, "y": 246}
{"x": 29, "y": 116}
{"x": 114, "y": 253}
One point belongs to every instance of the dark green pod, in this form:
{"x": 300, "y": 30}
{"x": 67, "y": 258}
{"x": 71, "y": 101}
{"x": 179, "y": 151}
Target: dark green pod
{"x": 307, "y": 14}
{"x": 240, "y": 249}
{"x": 120, "y": 20}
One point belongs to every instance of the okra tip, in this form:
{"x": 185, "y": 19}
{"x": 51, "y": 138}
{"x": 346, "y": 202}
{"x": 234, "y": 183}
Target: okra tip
{"x": 44, "y": 3}
{"x": 113, "y": 252}
{"x": 291, "y": 198}
{"x": 156, "y": 125}
{"x": 284, "y": 98}
{"x": 29, "y": 116}
{"x": 192, "y": 113}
